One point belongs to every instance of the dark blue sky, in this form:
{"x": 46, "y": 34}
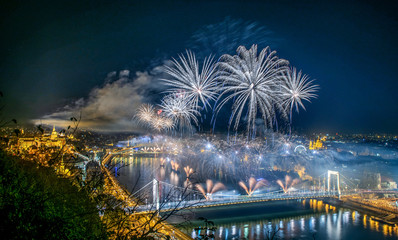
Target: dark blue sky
{"x": 55, "y": 53}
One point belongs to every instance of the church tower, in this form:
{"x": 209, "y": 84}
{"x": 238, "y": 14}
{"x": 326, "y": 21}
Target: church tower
{"x": 54, "y": 134}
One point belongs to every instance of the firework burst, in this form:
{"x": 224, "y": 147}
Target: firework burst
{"x": 251, "y": 80}
{"x": 296, "y": 87}
{"x": 149, "y": 117}
{"x": 188, "y": 171}
{"x": 177, "y": 108}
{"x": 174, "y": 165}
{"x": 145, "y": 114}
{"x": 210, "y": 187}
{"x": 288, "y": 183}
{"x": 161, "y": 123}
{"x": 186, "y": 76}
{"x": 253, "y": 185}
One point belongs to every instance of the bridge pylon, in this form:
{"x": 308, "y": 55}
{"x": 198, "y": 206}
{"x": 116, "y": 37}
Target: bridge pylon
{"x": 155, "y": 193}
{"x": 337, "y": 174}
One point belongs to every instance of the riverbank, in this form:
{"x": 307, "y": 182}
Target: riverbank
{"x": 37, "y": 203}
{"x": 295, "y": 219}
{"x": 376, "y": 214}
{"x": 143, "y": 223}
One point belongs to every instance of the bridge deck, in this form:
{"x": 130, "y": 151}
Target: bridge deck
{"x": 239, "y": 199}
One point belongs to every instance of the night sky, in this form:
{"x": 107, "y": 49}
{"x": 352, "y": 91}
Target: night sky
{"x": 56, "y": 57}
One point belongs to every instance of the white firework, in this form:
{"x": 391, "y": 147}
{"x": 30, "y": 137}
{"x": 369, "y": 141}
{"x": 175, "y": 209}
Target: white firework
{"x": 161, "y": 123}
{"x": 149, "y": 117}
{"x": 185, "y": 76}
{"x": 296, "y": 87}
{"x": 168, "y": 124}
{"x": 145, "y": 114}
{"x": 176, "y": 107}
{"x": 251, "y": 81}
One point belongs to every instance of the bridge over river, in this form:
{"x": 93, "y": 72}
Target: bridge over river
{"x": 221, "y": 200}
{"x": 162, "y": 196}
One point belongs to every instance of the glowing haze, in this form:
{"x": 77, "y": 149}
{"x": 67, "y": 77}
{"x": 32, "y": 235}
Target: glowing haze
{"x": 110, "y": 107}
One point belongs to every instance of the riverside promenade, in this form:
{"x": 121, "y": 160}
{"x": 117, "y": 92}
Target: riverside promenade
{"x": 119, "y": 192}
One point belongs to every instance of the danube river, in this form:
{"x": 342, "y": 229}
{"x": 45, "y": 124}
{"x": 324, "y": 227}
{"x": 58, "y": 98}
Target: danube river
{"x": 294, "y": 219}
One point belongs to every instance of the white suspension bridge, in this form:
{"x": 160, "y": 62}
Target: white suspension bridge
{"x": 162, "y": 196}
{"x": 183, "y": 198}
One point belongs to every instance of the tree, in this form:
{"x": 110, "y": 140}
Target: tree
{"x": 206, "y": 232}
{"x": 39, "y": 200}
{"x": 36, "y": 204}
{"x": 124, "y": 220}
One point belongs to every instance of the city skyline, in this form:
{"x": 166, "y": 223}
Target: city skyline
{"x": 199, "y": 119}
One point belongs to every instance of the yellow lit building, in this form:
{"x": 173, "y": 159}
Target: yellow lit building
{"x": 31, "y": 144}
{"x": 318, "y": 144}
{"x": 300, "y": 170}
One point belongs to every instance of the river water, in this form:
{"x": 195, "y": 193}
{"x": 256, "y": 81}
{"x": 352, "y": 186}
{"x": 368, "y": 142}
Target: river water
{"x": 292, "y": 220}
{"x": 301, "y": 219}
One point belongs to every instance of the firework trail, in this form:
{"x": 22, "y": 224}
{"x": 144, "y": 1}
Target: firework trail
{"x": 186, "y": 76}
{"x": 251, "y": 80}
{"x": 288, "y": 183}
{"x": 162, "y": 162}
{"x": 253, "y": 185}
{"x": 174, "y": 165}
{"x": 225, "y": 36}
{"x": 188, "y": 171}
{"x": 210, "y": 187}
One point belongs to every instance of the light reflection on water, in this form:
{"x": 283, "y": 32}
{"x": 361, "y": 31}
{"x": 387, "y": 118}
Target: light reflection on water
{"x": 332, "y": 225}
{"x": 139, "y": 170}
{"x": 326, "y": 222}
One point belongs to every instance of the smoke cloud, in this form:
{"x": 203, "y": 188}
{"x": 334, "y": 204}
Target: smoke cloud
{"x": 110, "y": 107}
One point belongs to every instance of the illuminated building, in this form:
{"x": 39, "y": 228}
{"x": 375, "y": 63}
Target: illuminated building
{"x": 318, "y": 144}
{"x": 389, "y": 185}
{"x": 31, "y": 144}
